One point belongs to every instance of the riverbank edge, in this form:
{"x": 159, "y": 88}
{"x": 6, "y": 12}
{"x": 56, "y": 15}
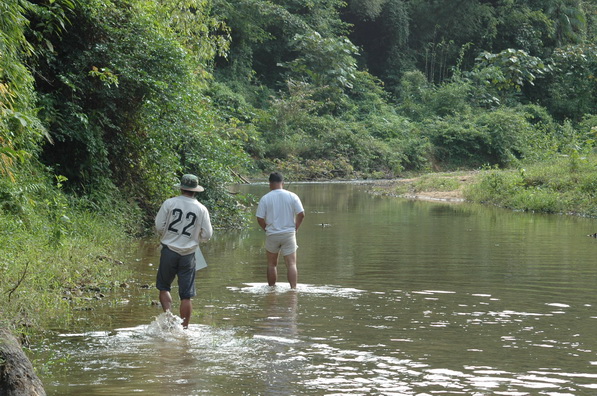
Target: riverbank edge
{"x": 564, "y": 186}
{"x": 446, "y": 187}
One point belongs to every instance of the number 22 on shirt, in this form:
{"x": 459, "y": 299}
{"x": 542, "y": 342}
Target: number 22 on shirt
{"x": 182, "y": 222}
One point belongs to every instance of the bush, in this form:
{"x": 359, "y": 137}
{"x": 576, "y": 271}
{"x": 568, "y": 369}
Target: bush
{"x": 565, "y": 184}
{"x": 500, "y": 137}
{"x": 457, "y": 142}
{"x": 54, "y": 256}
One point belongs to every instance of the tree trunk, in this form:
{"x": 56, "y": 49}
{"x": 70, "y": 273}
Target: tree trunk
{"x": 17, "y": 377}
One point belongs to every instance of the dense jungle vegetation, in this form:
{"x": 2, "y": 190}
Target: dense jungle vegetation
{"x": 105, "y": 103}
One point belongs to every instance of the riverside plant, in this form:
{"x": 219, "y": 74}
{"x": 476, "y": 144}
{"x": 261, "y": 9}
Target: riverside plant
{"x": 567, "y": 184}
{"x": 436, "y": 182}
{"x": 44, "y": 280}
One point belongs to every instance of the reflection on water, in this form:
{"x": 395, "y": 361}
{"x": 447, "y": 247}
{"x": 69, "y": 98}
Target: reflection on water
{"x": 395, "y": 297}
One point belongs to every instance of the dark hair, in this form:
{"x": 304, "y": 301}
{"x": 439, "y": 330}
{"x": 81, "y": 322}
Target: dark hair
{"x": 189, "y": 192}
{"x": 276, "y": 177}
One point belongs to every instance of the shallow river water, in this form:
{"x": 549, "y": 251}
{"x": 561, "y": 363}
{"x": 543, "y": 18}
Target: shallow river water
{"x": 395, "y": 297}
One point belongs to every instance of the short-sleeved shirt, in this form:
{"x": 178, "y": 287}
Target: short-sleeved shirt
{"x": 278, "y": 208}
{"x": 181, "y": 223}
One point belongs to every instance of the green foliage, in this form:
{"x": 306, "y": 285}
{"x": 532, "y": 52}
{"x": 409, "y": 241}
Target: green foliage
{"x": 572, "y": 91}
{"x": 126, "y": 92}
{"x": 295, "y": 168}
{"x": 523, "y": 27}
{"x": 398, "y": 36}
{"x": 58, "y": 215}
{"x": 588, "y": 129}
{"x": 324, "y": 61}
{"x": 413, "y": 94}
{"x": 370, "y": 137}
{"x": 126, "y": 107}
{"x": 381, "y": 31}
{"x": 263, "y": 35}
{"x": 130, "y": 94}
{"x": 568, "y": 20}
{"x": 561, "y": 185}
{"x": 508, "y": 71}
{"x": 439, "y": 30}
{"x": 500, "y": 137}
{"x": 203, "y": 35}
{"x": 51, "y": 245}
{"x": 20, "y": 130}
{"x": 450, "y": 98}
{"x": 472, "y": 117}
{"x": 340, "y": 149}
{"x": 36, "y": 278}
{"x": 366, "y": 9}
{"x": 435, "y": 182}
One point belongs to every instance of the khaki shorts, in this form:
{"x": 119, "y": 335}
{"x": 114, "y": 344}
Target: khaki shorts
{"x": 285, "y": 243}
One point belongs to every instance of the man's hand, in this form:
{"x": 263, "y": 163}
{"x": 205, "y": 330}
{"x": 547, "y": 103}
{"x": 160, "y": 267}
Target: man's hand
{"x": 261, "y": 223}
{"x": 299, "y": 220}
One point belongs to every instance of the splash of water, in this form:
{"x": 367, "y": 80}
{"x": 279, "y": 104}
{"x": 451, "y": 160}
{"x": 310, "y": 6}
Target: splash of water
{"x": 166, "y": 324}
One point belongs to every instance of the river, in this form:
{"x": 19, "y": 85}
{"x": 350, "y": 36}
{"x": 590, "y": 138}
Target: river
{"x": 395, "y": 297}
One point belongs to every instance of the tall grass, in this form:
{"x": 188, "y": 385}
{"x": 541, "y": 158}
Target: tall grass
{"x": 566, "y": 184}
{"x": 46, "y": 276}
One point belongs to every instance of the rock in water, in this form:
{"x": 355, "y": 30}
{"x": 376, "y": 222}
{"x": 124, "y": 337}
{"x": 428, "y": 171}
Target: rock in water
{"x": 17, "y": 377}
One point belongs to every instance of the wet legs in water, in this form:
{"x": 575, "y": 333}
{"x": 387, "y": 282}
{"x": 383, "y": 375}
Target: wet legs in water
{"x": 272, "y": 269}
{"x": 186, "y": 307}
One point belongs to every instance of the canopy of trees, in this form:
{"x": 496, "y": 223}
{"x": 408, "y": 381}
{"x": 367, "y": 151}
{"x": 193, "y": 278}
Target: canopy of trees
{"x": 115, "y": 99}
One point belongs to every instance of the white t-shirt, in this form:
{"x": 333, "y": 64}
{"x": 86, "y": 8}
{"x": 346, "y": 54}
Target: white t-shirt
{"x": 181, "y": 223}
{"x": 278, "y": 208}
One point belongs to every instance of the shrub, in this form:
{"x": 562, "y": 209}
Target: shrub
{"x": 50, "y": 248}
{"x": 562, "y": 184}
{"x": 500, "y": 137}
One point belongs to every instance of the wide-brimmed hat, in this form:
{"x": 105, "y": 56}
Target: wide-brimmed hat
{"x": 189, "y": 183}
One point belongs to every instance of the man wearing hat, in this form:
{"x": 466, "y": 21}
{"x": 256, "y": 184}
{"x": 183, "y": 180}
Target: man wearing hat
{"x": 181, "y": 223}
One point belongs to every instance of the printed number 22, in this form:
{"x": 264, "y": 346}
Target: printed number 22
{"x": 189, "y": 222}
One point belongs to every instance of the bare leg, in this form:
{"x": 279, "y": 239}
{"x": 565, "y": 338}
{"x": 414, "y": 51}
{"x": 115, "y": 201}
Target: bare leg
{"x": 186, "y": 308}
{"x": 292, "y": 271}
{"x": 272, "y": 270}
{"x": 165, "y": 300}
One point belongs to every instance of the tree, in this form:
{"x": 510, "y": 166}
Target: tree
{"x": 324, "y": 61}
{"x": 122, "y": 96}
{"x": 508, "y": 72}
{"x": 264, "y": 36}
{"x": 382, "y": 29}
{"x": 572, "y": 87}
{"x": 569, "y": 21}
{"x": 20, "y": 129}
{"x": 439, "y": 29}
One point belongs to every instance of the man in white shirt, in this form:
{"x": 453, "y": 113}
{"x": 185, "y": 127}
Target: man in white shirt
{"x": 181, "y": 222}
{"x": 280, "y": 214}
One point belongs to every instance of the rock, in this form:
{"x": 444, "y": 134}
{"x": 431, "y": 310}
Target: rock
{"x": 17, "y": 377}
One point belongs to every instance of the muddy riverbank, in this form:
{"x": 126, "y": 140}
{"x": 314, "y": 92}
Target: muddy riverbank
{"x": 443, "y": 187}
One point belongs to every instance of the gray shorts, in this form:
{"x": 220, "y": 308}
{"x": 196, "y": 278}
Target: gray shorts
{"x": 173, "y": 264}
{"x": 285, "y": 243}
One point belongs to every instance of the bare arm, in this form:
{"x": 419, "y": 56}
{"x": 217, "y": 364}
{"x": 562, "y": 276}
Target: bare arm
{"x": 299, "y": 220}
{"x": 261, "y": 223}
